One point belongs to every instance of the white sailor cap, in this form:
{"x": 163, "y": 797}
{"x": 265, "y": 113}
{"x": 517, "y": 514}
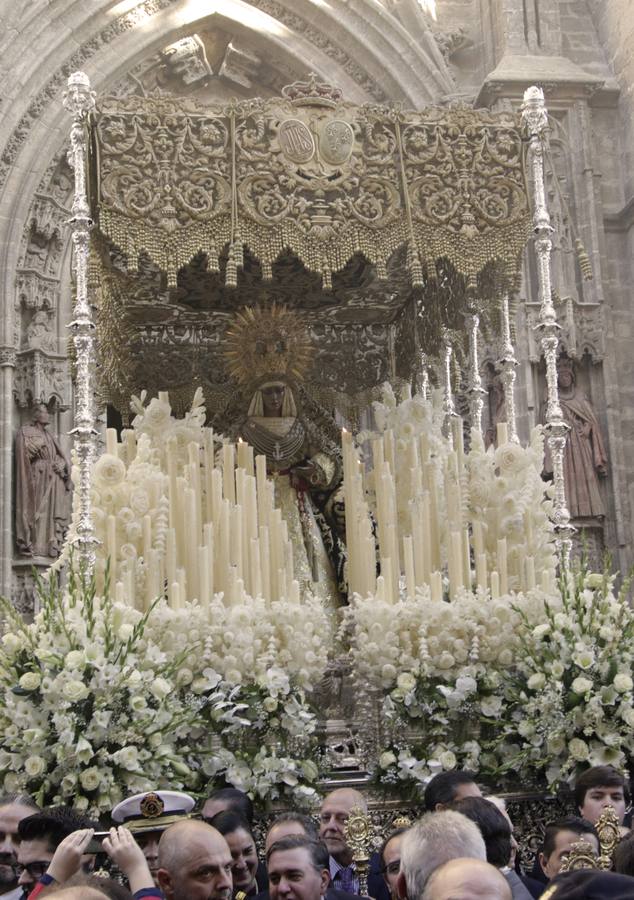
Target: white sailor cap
{"x": 153, "y": 811}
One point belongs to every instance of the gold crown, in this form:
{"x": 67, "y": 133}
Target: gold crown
{"x": 267, "y": 342}
{"x": 312, "y": 92}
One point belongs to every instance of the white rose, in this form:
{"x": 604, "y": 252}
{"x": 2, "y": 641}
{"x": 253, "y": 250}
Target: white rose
{"x": 74, "y": 659}
{"x": 34, "y": 766}
{"x": 157, "y": 415}
{"x": 510, "y": 458}
{"x": 578, "y": 749}
{"x": 623, "y": 682}
{"x": 270, "y": 704}
{"x": 109, "y": 470}
{"x": 160, "y": 688}
{"x": 446, "y": 660}
{"x": 466, "y": 685}
{"x": 387, "y": 759}
{"x": 536, "y": 682}
{"x": 80, "y": 803}
{"x": 581, "y": 685}
{"x": 447, "y": 759}
{"x": 75, "y": 691}
{"x": 90, "y": 779}
{"x": 406, "y": 681}
{"x": 12, "y": 642}
{"x": 557, "y": 669}
{"x": 490, "y": 706}
{"x": 30, "y": 681}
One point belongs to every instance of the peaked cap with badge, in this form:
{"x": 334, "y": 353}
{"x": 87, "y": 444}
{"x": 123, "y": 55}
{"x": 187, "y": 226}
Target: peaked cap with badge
{"x": 153, "y": 811}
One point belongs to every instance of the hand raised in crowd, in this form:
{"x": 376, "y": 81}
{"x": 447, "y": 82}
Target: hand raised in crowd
{"x": 128, "y": 856}
{"x": 67, "y": 858}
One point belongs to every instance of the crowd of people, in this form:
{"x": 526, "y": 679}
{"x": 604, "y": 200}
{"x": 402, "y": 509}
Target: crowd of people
{"x": 462, "y": 848}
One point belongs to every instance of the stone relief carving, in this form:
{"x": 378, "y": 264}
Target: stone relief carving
{"x": 41, "y": 378}
{"x": 582, "y": 329}
{"x": 186, "y": 60}
{"x": 140, "y": 14}
{"x": 240, "y": 65}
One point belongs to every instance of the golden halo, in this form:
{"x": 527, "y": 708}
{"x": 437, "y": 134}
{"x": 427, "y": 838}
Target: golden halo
{"x": 267, "y": 342}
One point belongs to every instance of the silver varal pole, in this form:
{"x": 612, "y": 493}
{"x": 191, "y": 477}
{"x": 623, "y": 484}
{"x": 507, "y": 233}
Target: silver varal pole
{"x": 79, "y": 100}
{"x": 508, "y": 364}
{"x": 535, "y": 120}
{"x": 475, "y": 390}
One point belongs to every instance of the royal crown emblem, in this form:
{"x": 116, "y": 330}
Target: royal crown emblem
{"x": 312, "y": 92}
{"x": 151, "y": 806}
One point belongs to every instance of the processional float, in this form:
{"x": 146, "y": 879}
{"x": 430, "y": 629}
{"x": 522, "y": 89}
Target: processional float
{"x": 435, "y": 202}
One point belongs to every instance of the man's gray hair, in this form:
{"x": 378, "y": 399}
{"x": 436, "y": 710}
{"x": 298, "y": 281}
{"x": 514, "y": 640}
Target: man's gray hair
{"x": 434, "y": 840}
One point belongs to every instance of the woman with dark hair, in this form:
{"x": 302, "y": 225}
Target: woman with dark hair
{"x": 238, "y": 835}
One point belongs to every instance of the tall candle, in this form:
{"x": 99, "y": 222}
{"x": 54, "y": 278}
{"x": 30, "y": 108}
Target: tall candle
{"x": 530, "y": 573}
{"x": 436, "y": 586}
{"x": 481, "y": 570}
{"x": 228, "y": 476}
{"x": 203, "y": 576}
{"x": 111, "y": 542}
{"x": 502, "y": 433}
{"x": 255, "y": 568}
{"x": 111, "y": 441}
{"x": 502, "y": 567}
{"x": 495, "y": 585}
{"x": 408, "y": 558}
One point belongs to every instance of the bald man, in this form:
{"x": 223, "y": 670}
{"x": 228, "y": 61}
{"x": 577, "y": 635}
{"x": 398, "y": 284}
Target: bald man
{"x": 333, "y": 815}
{"x": 467, "y": 879}
{"x": 194, "y": 863}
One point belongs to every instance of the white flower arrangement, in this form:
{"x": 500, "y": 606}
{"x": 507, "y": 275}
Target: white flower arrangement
{"x": 98, "y": 701}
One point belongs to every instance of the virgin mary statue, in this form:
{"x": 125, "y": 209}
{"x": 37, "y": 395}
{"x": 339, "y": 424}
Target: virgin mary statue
{"x": 268, "y": 353}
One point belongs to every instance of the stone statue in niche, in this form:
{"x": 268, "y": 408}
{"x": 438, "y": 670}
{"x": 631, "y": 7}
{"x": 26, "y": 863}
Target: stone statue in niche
{"x": 38, "y": 333}
{"x": 585, "y": 457}
{"x": 42, "y": 502}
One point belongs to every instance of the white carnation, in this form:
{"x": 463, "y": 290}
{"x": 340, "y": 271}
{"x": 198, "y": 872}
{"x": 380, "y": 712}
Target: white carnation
{"x": 623, "y": 682}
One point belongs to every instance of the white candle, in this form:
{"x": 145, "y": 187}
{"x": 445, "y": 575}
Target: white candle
{"x": 502, "y": 433}
{"x": 502, "y": 566}
{"x": 481, "y": 570}
{"x": 408, "y": 557}
{"x": 495, "y": 585}
{"x": 530, "y": 573}
{"x": 111, "y": 441}
{"x": 111, "y": 543}
{"x": 119, "y": 593}
{"x": 436, "y": 586}
{"x": 204, "y": 595}
{"x": 228, "y": 475}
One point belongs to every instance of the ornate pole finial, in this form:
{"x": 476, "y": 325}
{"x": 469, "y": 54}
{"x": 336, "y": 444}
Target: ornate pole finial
{"x": 79, "y": 100}
{"x": 609, "y": 832}
{"x": 358, "y": 834}
{"x": 535, "y": 121}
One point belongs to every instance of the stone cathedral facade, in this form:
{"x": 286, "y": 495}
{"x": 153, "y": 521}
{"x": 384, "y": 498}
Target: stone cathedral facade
{"x": 418, "y": 53}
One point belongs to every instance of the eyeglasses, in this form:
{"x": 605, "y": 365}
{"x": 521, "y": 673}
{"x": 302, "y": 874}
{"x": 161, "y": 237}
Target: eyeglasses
{"x": 34, "y": 869}
{"x": 393, "y": 868}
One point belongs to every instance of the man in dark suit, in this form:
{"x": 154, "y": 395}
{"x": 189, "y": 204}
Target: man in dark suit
{"x": 289, "y": 824}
